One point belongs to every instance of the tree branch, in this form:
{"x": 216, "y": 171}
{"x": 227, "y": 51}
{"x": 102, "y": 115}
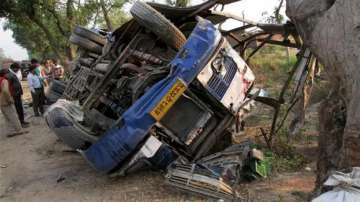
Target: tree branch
{"x": 50, "y": 37}
{"x": 277, "y": 12}
{"x": 70, "y": 14}
{"x": 106, "y": 16}
{"x": 51, "y": 9}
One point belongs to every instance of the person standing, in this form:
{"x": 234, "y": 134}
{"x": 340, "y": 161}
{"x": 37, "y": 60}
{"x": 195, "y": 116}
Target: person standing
{"x": 36, "y": 64}
{"x": 12, "y": 123}
{"x": 16, "y": 70}
{"x": 16, "y": 92}
{"x": 38, "y": 68}
{"x": 58, "y": 71}
{"x": 47, "y": 71}
{"x": 36, "y": 87}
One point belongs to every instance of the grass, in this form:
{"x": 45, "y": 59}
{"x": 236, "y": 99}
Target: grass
{"x": 271, "y": 67}
{"x": 288, "y": 163}
{"x": 285, "y": 157}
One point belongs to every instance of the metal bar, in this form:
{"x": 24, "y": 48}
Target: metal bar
{"x": 237, "y": 29}
{"x": 257, "y": 49}
{"x": 268, "y": 101}
{"x": 282, "y": 93}
{"x": 281, "y": 43}
{"x": 199, "y": 181}
{"x": 112, "y": 70}
{"x": 251, "y": 37}
{"x": 235, "y": 17}
{"x": 206, "y": 6}
{"x": 235, "y": 37}
{"x": 204, "y": 148}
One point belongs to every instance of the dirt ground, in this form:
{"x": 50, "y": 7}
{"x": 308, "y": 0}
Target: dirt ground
{"x": 38, "y": 167}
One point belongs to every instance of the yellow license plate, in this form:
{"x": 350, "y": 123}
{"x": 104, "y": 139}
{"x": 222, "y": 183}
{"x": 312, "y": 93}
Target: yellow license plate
{"x": 168, "y": 100}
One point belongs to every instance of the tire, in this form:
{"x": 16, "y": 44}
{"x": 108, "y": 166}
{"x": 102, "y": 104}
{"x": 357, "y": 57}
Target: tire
{"x": 65, "y": 129}
{"x": 151, "y": 19}
{"x": 91, "y": 35}
{"x": 86, "y": 43}
{"x": 86, "y": 61}
{"x": 54, "y": 91}
{"x": 57, "y": 86}
{"x": 52, "y": 97}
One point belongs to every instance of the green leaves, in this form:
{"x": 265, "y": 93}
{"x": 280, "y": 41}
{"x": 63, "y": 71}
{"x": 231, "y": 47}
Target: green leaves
{"x": 44, "y": 26}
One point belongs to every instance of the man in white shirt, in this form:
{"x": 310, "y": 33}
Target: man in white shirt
{"x": 17, "y": 92}
{"x": 15, "y": 68}
{"x": 36, "y": 88}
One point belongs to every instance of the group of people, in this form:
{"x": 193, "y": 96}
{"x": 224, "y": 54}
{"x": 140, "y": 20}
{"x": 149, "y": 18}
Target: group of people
{"x": 39, "y": 77}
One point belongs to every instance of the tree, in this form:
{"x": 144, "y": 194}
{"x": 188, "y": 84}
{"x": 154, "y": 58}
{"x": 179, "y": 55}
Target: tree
{"x": 51, "y": 22}
{"x": 182, "y": 3}
{"x": 112, "y": 14}
{"x": 31, "y": 37}
{"x": 106, "y": 16}
{"x": 178, "y": 3}
{"x": 331, "y": 29}
{"x": 276, "y": 17}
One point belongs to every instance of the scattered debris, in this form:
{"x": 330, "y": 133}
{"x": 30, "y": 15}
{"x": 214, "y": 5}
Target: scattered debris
{"x": 216, "y": 174}
{"x": 345, "y": 187}
{"x": 60, "y": 179}
{"x": 229, "y": 162}
{"x": 3, "y": 166}
{"x": 17, "y": 134}
{"x": 255, "y": 168}
{"x": 199, "y": 179}
{"x": 143, "y": 98}
{"x": 69, "y": 151}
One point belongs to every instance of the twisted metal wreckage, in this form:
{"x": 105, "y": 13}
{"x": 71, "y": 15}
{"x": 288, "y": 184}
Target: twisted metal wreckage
{"x": 167, "y": 90}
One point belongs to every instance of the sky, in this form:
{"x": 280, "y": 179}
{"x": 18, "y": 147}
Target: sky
{"x": 7, "y": 43}
{"x": 252, "y": 10}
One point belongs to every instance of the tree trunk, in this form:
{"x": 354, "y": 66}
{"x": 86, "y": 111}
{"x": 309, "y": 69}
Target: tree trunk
{"x": 277, "y": 14}
{"x": 70, "y": 14}
{"x": 305, "y": 88}
{"x": 331, "y": 29}
{"x": 332, "y": 118}
{"x": 106, "y": 16}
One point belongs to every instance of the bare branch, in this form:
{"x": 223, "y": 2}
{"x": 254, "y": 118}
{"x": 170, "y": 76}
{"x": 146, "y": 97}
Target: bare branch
{"x": 277, "y": 12}
{"x": 106, "y": 16}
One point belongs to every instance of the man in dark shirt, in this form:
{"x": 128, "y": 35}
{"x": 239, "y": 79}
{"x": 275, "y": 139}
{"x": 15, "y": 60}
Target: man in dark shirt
{"x": 16, "y": 93}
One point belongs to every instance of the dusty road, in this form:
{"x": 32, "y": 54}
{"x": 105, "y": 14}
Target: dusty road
{"x": 38, "y": 167}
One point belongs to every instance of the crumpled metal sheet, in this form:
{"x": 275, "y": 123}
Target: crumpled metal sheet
{"x": 340, "y": 178}
{"x": 119, "y": 142}
{"x": 64, "y": 118}
{"x": 201, "y": 180}
{"x": 228, "y": 163}
{"x": 213, "y": 175}
{"x": 347, "y": 187}
{"x": 70, "y": 107}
